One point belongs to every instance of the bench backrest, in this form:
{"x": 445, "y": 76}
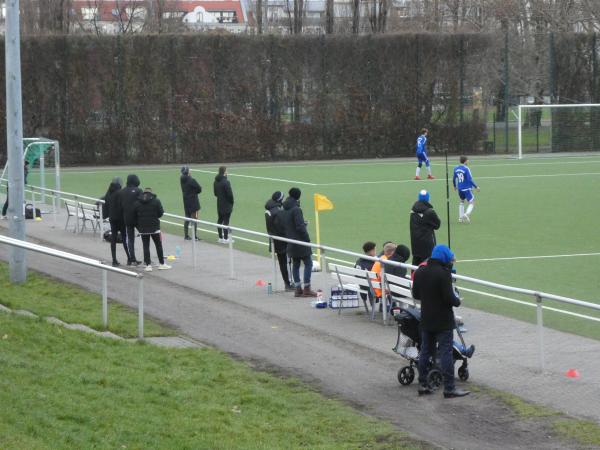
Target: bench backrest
{"x": 354, "y": 279}
{"x": 70, "y": 206}
{"x": 90, "y": 211}
{"x": 400, "y": 289}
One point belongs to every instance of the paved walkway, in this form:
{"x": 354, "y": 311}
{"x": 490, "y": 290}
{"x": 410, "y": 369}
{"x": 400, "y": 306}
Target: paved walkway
{"x": 345, "y": 355}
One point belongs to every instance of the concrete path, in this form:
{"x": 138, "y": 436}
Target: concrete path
{"x": 347, "y": 355}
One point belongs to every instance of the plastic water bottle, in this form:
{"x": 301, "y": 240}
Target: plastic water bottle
{"x": 269, "y": 289}
{"x": 319, "y": 296}
{"x": 178, "y": 252}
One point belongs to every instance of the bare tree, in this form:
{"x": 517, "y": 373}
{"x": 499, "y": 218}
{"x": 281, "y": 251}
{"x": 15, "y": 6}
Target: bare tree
{"x": 378, "y": 15}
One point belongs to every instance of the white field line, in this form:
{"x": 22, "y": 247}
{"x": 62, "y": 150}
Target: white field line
{"x": 512, "y": 258}
{"x": 444, "y": 179}
{"x": 257, "y": 178}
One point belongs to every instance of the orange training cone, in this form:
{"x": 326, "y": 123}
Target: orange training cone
{"x": 261, "y": 283}
{"x": 572, "y": 373}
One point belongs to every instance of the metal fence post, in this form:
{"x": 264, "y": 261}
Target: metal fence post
{"x": 540, "y": 327}
{"x": 105, "y": 298}
{"x": 54, "y": 207}
{"x": 324, "y": 267}
{"x": 193, "y": 242}
{"x": 141, "y": 308}
{"x": 272, "y": 243}
{"x": 383, "y": 295}
{"x": 231, "y": 273}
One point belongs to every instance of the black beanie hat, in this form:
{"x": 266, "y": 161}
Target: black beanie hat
{"x": 295, "y": 193}
{"x": 277, "y": 196}
{"x": 403, "y": 252}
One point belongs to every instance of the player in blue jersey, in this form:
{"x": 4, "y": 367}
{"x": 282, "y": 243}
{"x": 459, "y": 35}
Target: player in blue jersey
{"x": 422, "y": 154}
{"x": 464, "y": 184}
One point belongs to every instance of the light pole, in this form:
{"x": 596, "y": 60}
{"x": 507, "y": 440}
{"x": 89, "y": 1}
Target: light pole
{"x": 14, "y": 141}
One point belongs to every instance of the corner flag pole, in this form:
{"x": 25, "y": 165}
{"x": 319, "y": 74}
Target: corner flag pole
{"x": 447, "y": 198}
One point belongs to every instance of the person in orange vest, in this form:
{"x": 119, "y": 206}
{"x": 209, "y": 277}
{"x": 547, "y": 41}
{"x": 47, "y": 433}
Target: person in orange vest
{"x": 388, "y": 250}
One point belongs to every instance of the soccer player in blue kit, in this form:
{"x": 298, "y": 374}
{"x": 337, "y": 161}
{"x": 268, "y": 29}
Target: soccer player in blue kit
{"x": 422, "y": 154}
{"x": 463, "y": 182}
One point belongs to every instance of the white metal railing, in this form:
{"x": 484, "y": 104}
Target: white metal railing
{"x": 92, "y": 263}
{"x": 538, "y": 296}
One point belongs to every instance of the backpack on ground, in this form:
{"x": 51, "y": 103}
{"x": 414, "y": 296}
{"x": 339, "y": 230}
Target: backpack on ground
{"x": 29, "y": 210}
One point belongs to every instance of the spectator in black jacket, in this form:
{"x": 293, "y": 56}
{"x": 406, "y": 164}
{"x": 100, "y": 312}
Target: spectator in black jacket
{"x": 224, "y": 194}
{"x": 369, "y": 250}
{"x": 401, "y": 255}
{"x": 148, "y": 210}
{"x": 273, "y": 208}
{"x": 112, "y": 210}
{"x": 295, "y": 228}
{"x": 190, "y": 189}
{"x": 25, "y": 174}
{"x": 423, "y": 223}
{"x": 432, "y": 285}
{"x": 127, "y": 197}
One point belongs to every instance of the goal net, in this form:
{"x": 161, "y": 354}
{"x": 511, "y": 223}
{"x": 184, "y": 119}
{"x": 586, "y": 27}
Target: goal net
{"x": 558, "y": 129}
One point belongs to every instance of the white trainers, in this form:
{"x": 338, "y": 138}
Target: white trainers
{"x": 4, "y": 218}
{"x": 460, "y": 220}
{"x": 221, "y": 241}
{"x": 466, "y": 219}
{"x": 228, "y": 240}
{"x": 148, "y": 268}
{"x": 164, "y": 267}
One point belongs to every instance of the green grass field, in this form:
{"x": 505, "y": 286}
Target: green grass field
{"x": 527, "y": 209}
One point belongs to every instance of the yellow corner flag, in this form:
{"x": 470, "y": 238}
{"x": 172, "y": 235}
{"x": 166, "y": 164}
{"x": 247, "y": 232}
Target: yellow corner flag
{"x": 322, "y": 203}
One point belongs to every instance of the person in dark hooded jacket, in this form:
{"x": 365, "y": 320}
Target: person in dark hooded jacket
{"x": 295, "y": 228}
{"x": 148, "y": 210}
{"x": 432, "y": 285}
{"x": 190, "y": 189}
{"x": 401, "y": 255}
{"x": 115, "y": 217}
{"x": 275, "y": 227}
{"x": 224, "y": 194}
{"x": 127, "y": 198}
{"x": 423, "y": 223}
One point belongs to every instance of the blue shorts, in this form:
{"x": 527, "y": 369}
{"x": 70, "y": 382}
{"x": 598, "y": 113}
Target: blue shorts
{"x": 467, "y": 195}
{"x": 422, "y": 158}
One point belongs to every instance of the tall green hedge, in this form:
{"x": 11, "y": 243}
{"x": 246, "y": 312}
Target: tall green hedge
{"x": 195, "y": 98}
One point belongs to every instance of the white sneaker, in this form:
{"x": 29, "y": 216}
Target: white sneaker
{"x": 4, "y": 218}
{"x": 221, "y": 241}
{"x": 460, "y": 220}
{"x": 148, "y": 268}
{"x": 228, "y": 240}
{"x": 164, "y": 267}
{"x": 466, "y": 219}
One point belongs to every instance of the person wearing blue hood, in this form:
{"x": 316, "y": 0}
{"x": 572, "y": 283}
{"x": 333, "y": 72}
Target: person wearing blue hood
{"x": 127, "y": 198}
{"x": 432, "y": 285}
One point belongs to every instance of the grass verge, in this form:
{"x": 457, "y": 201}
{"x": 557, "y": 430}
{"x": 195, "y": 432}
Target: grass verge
{"x": 47, "y": 297}
{"x": 67, "y": 389}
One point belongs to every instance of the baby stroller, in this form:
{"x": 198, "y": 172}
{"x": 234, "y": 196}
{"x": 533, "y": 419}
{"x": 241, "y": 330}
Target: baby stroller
{"x": 408, "y": 345}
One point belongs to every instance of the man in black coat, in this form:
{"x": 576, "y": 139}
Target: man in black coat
{"x": 224, "y": 194}
{"x": 432, "y": 285}
{"x": 115, "y": 217}
{"x": 423, "y": 223}
{"x": 275, "y": 227}
{"x": 190, "y": 189}
{"x": 127, "y": 198}
{"x": 148, "y": 210}
{"x": 369, "y": 248}
{"x": 295, "y": 228}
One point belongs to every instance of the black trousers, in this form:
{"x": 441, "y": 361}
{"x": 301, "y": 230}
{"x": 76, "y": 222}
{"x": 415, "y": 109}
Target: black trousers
{"x": 5, "y": 207}
{"x": 130, "y": 238}
{"x": 186, "y": 224}
{"x": 116, "y": 227}
{"x": 157, "y": 243}
{"x": 282, "y": 258}
{"x": 223, "y": 220}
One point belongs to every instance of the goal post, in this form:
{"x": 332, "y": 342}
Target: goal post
{"x": 562, "y": 128}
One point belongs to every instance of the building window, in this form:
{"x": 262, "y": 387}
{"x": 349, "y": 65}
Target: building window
{"x": 89, "y": 13}
{"x": 173, "y": 15}
{"x": 225, "y": 16}
{"x": 136, "y": 13}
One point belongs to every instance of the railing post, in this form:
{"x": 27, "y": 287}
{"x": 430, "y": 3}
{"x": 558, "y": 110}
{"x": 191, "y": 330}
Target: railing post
{"x": 383, "y": 295}
{"x": 274, "y": 259}
{"x": 105, "y": 298}
{"x": 141, "y": 308}
{"x": 231, "y": 272}
{"x": 540, "y": 327}
{"x": 77, "y": 214}
{"x": 54, "y": 206}
{"x": 324, "y": 268}
{"x": 193, "y": 242}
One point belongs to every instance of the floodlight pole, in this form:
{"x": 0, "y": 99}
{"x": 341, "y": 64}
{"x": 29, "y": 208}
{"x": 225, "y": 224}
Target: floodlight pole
{"x": 447, "y": 198}
{"x": 14, "y": 140}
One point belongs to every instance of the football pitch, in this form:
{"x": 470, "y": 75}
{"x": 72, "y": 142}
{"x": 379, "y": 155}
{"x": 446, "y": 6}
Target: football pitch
{"x": 535, "y": 223}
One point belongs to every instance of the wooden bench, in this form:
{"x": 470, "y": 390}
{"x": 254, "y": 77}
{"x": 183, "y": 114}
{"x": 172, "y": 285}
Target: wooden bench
{"x": 72, "y": 208}
{"x": 90, "y": 213}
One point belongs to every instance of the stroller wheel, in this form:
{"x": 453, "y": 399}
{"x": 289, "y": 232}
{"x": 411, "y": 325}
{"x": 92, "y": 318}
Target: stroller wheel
{"x": 463, "y": 373}
{"x": 406, "y": 375}
{"x": 434, "y": 378}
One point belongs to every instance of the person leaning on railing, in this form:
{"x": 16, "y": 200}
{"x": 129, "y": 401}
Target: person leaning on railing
{"x": 275, "y": 227}
{"x": 148, "y": 210}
